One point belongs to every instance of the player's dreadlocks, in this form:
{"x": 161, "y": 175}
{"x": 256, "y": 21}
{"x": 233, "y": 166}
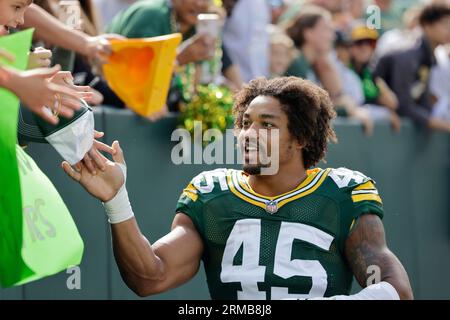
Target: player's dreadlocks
{"x": 308, "y": 108}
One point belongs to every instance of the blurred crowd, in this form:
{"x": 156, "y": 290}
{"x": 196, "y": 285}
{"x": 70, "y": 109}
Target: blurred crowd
{"x": 378, "y": 59}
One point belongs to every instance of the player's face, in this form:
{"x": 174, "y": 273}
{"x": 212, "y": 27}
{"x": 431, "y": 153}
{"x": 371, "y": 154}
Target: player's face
{"x": 265, "y": 133}
{"x": 11, "y": 14}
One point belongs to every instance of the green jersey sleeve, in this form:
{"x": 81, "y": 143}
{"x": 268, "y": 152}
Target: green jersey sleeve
{"x": 366, "y": 199}
{"x": 190, "y": 204}
{"x": 360, "y": 189}
{"x": 358, "y": 196}
{"x": 199, "y": 193}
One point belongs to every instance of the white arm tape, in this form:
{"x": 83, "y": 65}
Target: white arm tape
{"x": 118, "y": 209}
{"x": 379, "y": 291}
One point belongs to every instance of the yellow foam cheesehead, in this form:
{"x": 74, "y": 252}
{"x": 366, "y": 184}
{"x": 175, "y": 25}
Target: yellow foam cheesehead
{"x": 139, "y": 71}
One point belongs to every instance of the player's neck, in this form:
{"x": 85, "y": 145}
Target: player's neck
{"x": 287, "y": 179}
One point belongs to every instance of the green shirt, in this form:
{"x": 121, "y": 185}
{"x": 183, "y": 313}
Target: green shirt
{"x": 289, "y": 246}
{"x": 145, "y": 18}
{"x": 300, "y": 67}
{"x": 370, "y": 89}
{"x": 150, "y": 18}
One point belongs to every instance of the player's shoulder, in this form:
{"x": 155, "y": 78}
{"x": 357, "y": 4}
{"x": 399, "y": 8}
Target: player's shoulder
{"x": 355, "y": 187}
{"x": 344, "y": 178}
{"x": 208, "y": 184}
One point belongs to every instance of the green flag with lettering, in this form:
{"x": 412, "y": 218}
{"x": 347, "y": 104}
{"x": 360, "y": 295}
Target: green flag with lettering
{"x": 41, "y": 239}
{"x": 10, "y": 199}
{"x": 50, "y": 242}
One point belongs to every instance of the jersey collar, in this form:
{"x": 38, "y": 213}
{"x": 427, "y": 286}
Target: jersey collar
{"x": 239, "y": 186}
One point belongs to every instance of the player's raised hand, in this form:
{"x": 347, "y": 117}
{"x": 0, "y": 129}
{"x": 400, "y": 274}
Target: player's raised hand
{"x": 105, "y": 184}
{"x": 93, "y": 159}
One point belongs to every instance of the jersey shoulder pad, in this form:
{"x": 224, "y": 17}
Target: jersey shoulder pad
{"x": 346, "y": 178}
{"x": 207, "y": 184}
{"x": 355, "y": 183}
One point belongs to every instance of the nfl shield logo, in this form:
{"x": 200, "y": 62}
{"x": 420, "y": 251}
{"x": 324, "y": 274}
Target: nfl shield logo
{"x": 272, "y": 207}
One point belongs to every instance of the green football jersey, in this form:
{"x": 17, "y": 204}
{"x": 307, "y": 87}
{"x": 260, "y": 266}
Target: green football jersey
{"x": 286, "y": 247}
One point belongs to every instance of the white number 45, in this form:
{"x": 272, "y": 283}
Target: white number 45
{"x": 247, "y": 233}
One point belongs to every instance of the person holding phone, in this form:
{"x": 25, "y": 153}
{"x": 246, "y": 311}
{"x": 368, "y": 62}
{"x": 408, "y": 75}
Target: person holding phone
{"x": 160, "y": 17}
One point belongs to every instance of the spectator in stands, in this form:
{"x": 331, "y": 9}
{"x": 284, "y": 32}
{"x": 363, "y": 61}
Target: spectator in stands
{"x": 377, "y": 97}
{"x": 277, "y": 8}
{"x": 294, "y": 7}
{"x": 313, "y": 34}
{"x": 343, "y": 17}
{"x": 230, "y": 70}
{"x": 353, "y": 85}
{"x": 245, "y": 36}
{"x": 407, "y": 71}
{"x": 36, "y": 91}
{"x": 52, "y": 31}
{"x": 342, "y": 46}
{"x": 401, "y": 38}
{"x": 282, "y": 51}
{"x": 391, "y": 13}
{"x": 108, "y": 9}
{"x": 34, "y": 87}
{"x": 357, "y": 8}
{"x": 440, "y": 83}
{"x": 160, "y": 17}
{"x": 81, "y": 67}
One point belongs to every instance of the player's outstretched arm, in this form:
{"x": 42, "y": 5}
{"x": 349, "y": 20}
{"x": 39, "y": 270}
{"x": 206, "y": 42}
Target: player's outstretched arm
{"x": 171, "y": 261}
{"x": 147, "y": 269}
{"x": 365, "y": 247}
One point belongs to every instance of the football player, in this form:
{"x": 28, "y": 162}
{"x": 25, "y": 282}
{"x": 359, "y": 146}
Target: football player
{"x": 300, "y": 233}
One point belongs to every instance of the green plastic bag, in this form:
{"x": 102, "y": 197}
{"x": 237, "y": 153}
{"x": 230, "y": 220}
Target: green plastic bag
{"x": 51, "y": 242}
{"x": 10, "y": 199}
{"x": 24, "y": 255}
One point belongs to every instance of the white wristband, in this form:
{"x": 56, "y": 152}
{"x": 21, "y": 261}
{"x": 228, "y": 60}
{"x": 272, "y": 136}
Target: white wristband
{"x": 118, "y": 209}
{"x": 379, "y": 291}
